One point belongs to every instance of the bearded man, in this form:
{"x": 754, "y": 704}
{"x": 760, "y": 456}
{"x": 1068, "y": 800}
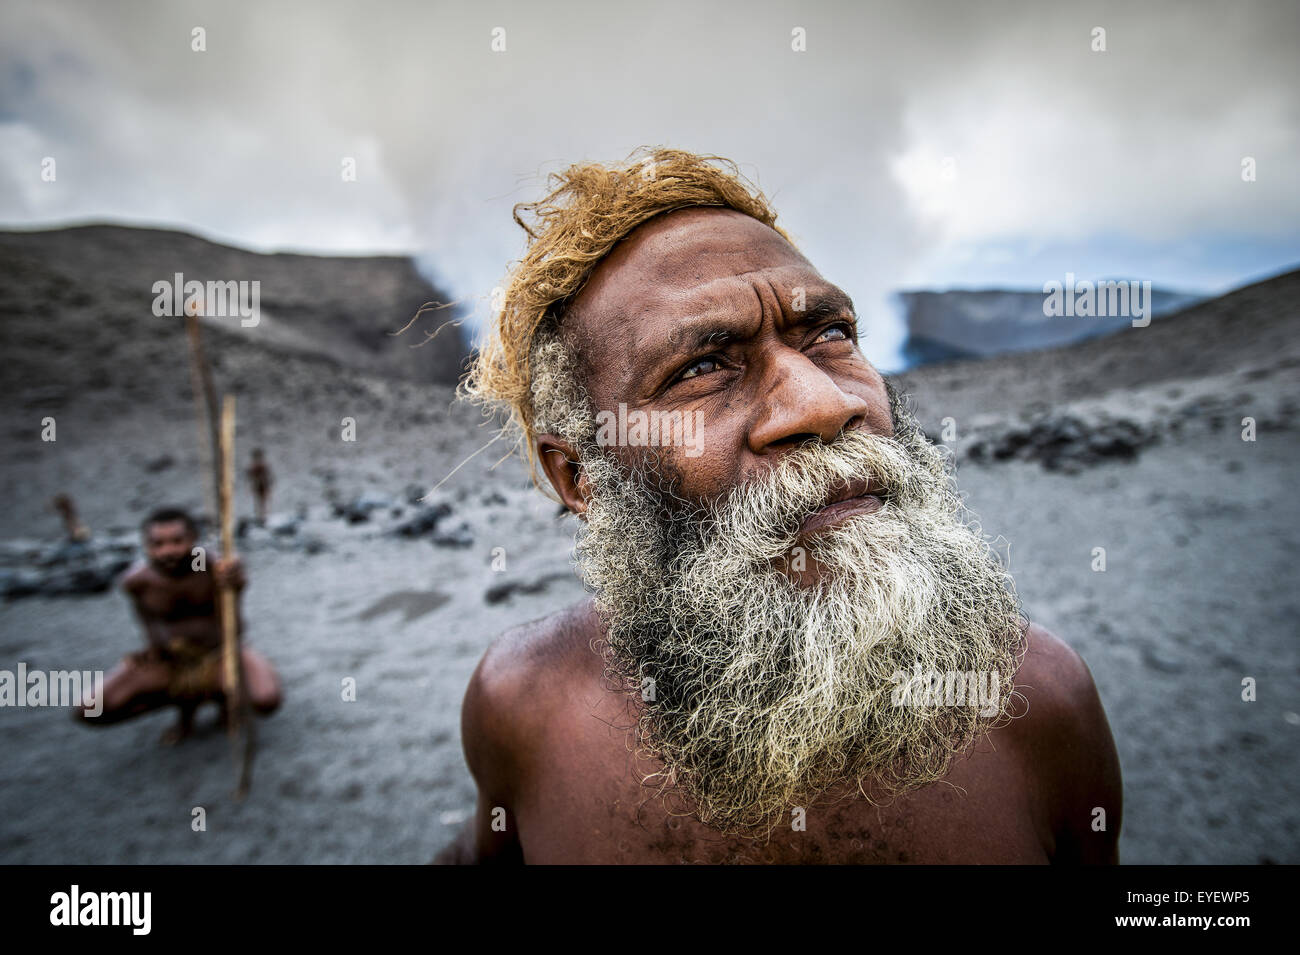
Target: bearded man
{"x": 796, "y": 648}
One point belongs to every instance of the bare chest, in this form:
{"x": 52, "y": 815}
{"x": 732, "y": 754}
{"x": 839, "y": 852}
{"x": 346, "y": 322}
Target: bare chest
{"x": 586, "y": 804}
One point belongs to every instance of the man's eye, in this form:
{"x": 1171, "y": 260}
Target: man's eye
{"x": 701, "y": 367}
{"x": 839, "y": 332}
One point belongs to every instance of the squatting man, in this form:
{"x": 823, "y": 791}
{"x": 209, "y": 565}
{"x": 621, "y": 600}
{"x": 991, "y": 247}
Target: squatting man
{"x": 724, "y": 693}
{"x": 175, "y": 599}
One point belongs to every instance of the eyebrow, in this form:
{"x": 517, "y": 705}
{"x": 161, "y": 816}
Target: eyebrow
{"x": 830, "y": 304}
{"x": 711, "y": 330}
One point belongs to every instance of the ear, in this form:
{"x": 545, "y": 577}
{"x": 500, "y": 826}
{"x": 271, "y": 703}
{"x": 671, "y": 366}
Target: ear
{"x": 560, "y": 465}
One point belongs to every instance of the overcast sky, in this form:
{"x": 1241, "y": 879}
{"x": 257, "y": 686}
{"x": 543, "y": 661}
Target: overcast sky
{"x": 911, "y": 145}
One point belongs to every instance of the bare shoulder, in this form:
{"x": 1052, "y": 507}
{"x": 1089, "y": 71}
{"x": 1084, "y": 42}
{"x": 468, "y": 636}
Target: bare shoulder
{"x": 136, "y": 577}
{"x": 1066, "y": 737}
{"x": 1063, "y": 706}
{"x": 1054, "y": 670}
{"x": 557, "y": 644}
{"x": 523, "y": 675}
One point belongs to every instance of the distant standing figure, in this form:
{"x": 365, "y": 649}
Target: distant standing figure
{"x": 178, "y": 608}
{"x": 76, "y": 530}
{"x": 259, "y": 475}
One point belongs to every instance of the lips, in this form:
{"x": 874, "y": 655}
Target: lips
{"x": 858, "y": 496}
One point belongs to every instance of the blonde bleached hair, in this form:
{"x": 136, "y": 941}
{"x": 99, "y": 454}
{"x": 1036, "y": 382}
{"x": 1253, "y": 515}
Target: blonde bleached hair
{"x": 590, "y": 208}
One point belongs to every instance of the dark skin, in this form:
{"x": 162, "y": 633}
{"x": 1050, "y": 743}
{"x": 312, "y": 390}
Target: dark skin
{"x": 698, "y": 311}
{"x": 175, "y": 602}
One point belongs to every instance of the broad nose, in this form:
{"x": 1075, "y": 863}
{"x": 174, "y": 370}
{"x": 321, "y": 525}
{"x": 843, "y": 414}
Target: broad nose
{"x": 804, "y": 402}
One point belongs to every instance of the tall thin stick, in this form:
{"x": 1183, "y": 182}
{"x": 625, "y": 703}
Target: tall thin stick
{"x": 218, "y": 438}
{"x": 229, "y": 597}
{"x": 205, "y": 411}
{"x": 238, "y": 701}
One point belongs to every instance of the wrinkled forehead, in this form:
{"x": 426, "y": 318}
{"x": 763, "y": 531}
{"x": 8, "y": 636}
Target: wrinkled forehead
{"x": 676, "y": 269}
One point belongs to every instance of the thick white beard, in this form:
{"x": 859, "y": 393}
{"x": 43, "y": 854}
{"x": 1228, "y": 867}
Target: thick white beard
{"x": 766, "y": 691}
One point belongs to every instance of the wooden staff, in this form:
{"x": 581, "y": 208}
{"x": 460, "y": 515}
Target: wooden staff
{"x": 238, "y": 703}
{"x": 220, "y": 439}
{"x": 229, "y": 597}
{"x": 205, "y": 411}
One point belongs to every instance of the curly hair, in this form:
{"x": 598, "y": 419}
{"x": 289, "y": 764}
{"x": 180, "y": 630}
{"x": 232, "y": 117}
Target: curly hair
{"x": 591, "y": 207}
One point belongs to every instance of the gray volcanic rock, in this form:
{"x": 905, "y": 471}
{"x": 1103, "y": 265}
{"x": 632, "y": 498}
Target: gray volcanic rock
{"x": 499, "y": 593}
{"x": 943, "y": 326}
{"x": 1250, "y": 330}
{"x": 98, "y": 279}
{"x": 1065, "y": 443}
{"x": 423, "y": 521}
{"x": 359, "y": 508}
{"x": 65, "y": 568}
